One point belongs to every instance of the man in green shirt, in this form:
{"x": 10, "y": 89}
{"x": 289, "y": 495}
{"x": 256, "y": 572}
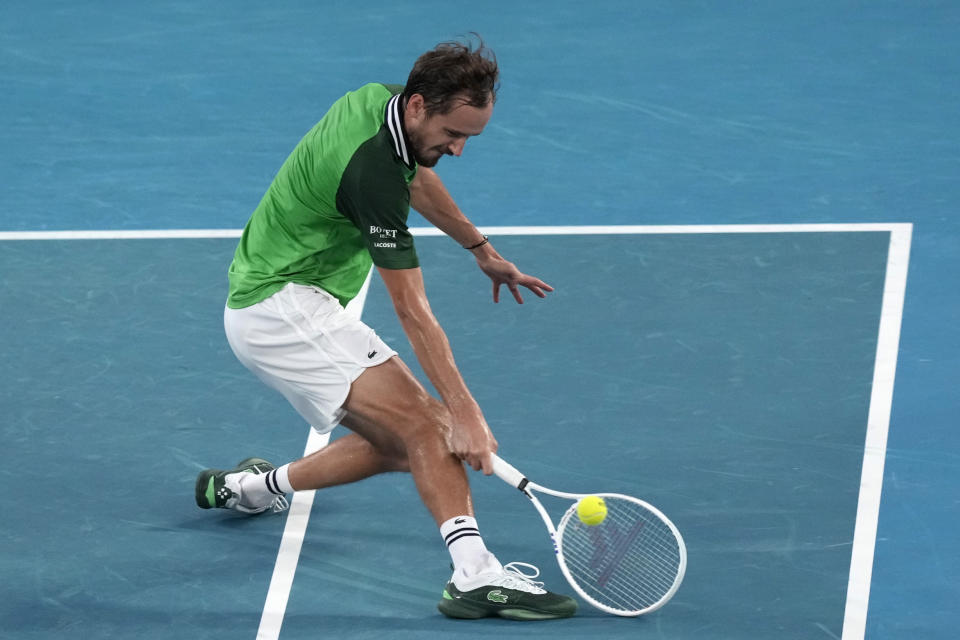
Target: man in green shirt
{"x": 338, "y": 206}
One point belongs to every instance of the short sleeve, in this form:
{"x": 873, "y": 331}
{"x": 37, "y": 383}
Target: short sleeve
{"x": 375, "y": 196}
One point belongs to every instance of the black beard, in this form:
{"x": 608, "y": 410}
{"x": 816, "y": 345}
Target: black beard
{"x": 418, "y": 155}
{"x": 420, "y": 160}
{"x": 423, "y": 162}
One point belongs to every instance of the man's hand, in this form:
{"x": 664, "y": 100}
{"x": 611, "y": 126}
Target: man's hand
{"x": 470, "y": 439}
{"x": 502, "y": 272}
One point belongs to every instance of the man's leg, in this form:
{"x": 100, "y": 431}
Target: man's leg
{"x": 388, "y": 399}
{"x": 390, "y": 414}
{"x": 347, "y": 459}
{"x": 402, "y": 426}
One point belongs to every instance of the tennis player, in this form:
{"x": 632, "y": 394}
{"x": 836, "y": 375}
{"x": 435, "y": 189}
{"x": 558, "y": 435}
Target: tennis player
{"x": 338, "y": 205}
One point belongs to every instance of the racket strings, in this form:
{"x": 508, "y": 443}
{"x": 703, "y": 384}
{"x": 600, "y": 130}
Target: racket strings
{"x": 629, "y": 562}
{"x": 624, "y": 593}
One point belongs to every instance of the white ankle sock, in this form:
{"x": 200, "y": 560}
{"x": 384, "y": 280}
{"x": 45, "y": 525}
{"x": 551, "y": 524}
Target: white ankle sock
{"x": 469, "y": 553}
{"x": 261, "y": 488}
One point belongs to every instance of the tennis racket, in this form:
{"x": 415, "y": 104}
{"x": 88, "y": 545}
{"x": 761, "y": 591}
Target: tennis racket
{"x": 630, "y": 564}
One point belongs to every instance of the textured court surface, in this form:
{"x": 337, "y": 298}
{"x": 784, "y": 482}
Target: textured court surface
{"x": 726, "y": 377}
{"x": 748, "y": 430}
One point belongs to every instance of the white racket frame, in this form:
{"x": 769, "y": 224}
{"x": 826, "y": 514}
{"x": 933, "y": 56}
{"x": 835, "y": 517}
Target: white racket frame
{"x": 509, "y": 474}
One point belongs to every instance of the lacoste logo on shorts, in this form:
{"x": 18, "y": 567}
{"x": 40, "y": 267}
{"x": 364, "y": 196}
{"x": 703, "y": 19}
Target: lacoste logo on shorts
{"x": 371, "y": 354}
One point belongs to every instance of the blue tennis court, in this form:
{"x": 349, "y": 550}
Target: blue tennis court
{"x": 725, "y": 198}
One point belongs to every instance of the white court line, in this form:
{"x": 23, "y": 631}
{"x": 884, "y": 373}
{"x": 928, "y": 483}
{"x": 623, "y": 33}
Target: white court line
{"x": 878, "y": 425}
{"x": 160, "y": 234}
{"x": 121, "y": 234}
{"x": 878, "y": 419}
{"x": 665, "y": 229}
{"x": 278, "y": 593}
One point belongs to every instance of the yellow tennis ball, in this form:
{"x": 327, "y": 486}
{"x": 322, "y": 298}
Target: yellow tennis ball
{"x": 591, "y": 510}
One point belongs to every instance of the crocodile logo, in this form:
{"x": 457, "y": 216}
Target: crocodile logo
{"x": 496, "y": 596}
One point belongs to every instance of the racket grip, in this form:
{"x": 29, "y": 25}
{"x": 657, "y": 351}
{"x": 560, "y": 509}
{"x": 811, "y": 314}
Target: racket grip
{"x": 508, "y": 473}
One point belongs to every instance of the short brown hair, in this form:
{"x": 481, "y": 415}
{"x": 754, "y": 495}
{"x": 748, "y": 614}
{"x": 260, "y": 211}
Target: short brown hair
{"x": 455, "y": 72}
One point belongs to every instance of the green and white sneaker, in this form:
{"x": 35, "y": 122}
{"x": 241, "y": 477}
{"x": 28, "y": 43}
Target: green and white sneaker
{"x": 508, "y": 593}
{"x": 221, "y": 489}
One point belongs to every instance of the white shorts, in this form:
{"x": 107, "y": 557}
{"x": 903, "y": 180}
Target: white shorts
{"x": 301, "y": 342}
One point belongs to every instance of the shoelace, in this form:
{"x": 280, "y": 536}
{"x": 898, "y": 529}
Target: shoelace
{"x": 279, "y": 504}
{"x": 514, "y": 578}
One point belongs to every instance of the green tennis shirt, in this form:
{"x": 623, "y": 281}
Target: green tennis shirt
{"x": 339, "y": 204}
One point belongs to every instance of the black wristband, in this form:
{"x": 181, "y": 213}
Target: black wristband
{"x": 479, "y": 244}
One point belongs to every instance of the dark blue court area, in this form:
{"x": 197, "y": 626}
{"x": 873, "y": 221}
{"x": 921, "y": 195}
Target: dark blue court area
{"x": 727, "y": 377}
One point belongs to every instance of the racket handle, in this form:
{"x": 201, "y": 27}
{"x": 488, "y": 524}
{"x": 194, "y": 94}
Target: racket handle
{"x": 508, "y": 473}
